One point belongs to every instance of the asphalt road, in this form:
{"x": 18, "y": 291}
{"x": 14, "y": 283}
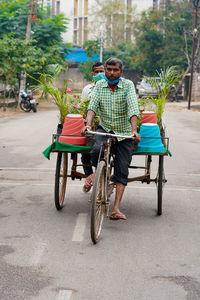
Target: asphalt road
{"x": 46, "y": 254}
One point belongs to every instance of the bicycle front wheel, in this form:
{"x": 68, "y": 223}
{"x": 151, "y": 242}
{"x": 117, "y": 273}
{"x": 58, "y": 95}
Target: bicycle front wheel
{"x": 98, "y": 202}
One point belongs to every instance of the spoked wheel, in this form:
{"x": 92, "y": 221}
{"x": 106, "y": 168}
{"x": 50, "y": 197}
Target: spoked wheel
{"x": 25, "y": 106}
{"x": 160, "y": 181}
{"x": 98, "y": 202}
{"x": 60, "y": 179}
{"x": 109, "y": 187}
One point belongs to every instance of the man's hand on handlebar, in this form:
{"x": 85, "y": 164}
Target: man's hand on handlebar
{"x": 137, "y": 136}
{"x": 83, "y": 132}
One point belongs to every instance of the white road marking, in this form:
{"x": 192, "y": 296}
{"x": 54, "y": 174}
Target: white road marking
{"x": 167, "y": 188}
{"x": 53, "y": 169}
{"x": 79, "y": 228}
{"x": 27, "y": 169}
{"x": 64, "y": 295}
{"x": 38, "y": 253}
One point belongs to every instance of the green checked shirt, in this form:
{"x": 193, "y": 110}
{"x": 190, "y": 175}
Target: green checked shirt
{"x": 115, "y": 108}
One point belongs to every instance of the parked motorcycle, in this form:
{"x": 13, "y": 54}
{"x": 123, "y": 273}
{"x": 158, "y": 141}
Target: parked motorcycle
{"x": 27, "y": 102}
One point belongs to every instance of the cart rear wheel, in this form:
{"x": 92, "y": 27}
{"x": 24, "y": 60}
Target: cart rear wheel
{"x": 60, "y": 179}
{"x": 160, "y": 180}
{"x": 98, "y": 202}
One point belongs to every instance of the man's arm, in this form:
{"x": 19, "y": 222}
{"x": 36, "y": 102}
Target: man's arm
{"x": 132, "y": 102}
{"x": 133, "y": 121}
{"x": 89, "y": 119}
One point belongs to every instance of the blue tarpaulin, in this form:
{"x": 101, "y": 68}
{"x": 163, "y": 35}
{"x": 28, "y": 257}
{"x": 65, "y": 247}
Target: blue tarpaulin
{"x": 78, "y": 55}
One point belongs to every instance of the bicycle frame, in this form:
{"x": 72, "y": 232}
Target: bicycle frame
{"x": 107, "y": 155}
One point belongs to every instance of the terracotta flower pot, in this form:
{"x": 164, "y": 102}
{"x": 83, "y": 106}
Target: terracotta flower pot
{"x": 72, "y": 128}
{"x": 149, "y": 117}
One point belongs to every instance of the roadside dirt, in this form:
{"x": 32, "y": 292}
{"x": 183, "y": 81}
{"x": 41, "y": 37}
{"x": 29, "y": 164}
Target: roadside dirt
{"x": 11, "y": 111}
{"x": 49, "y": 105}
{"x": 182, "y": 106}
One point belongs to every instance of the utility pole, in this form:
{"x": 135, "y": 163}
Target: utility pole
{"x": 28, "y": 37}
{"x": 101, "y": 45}
{"x": 29, "y": 21}
{"x": 195, "y": 31}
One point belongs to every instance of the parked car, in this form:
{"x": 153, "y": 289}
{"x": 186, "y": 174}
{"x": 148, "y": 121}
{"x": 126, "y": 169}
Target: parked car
{"x": 145, "y": 89}
{"x": 137, "y": 86}
{"x": 176, "y": 93}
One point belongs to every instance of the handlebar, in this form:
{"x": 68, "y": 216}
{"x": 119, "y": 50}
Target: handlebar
{"x": 110, "y": 134}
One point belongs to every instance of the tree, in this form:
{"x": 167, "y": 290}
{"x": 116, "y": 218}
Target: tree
{"x": 86, "y": 68}
{"x": 91, "y": 48}
{"x": 114, "y": 19}
{"x": 149, "y": 42}
{"x": 45, "y": 49}
{"x": 125, "y": 52}
{"x": 46, "y": 30}
{"x": 163, "y": 38}
{"x": 13, "y": 17}
{"x": 178, "y": 28}
{"x": 17, "y": 55}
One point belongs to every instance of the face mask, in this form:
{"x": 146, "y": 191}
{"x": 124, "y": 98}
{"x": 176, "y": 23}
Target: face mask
{"x": 99, "y": 76}
{"x": 112, "y": 82}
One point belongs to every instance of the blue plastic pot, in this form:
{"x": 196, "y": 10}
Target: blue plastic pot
{"x": 150, "y": 138}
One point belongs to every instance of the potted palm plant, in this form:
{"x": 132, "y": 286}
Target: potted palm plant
{"x": 163, "y": 83}
{"x": 66, "y": 101}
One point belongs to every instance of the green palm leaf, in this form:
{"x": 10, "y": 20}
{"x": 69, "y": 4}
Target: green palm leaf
{"x": 167, "y": 78}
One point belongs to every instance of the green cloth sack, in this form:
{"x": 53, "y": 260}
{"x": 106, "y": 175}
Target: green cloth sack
{"x": 57, "y": 146}
{"x": 64, "y": 147}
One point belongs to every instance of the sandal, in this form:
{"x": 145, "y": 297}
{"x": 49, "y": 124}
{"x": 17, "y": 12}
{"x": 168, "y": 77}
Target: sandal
{"x": 117, "y": 216}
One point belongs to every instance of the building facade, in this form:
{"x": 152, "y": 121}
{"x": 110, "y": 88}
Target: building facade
{"x": 82, "y": 17}
{"x": 79, "y": 13}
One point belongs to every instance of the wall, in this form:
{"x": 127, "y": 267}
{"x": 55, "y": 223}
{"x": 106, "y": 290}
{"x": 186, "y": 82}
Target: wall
{"x": 196, "y": 87}
{"x": 67, "y": 8}
{"x": 76, "y": 79}
{"x": 142, "y": 4}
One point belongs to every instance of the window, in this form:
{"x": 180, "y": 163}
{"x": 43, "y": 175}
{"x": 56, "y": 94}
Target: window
{"x": 85, "y": 29}
{"x": 75, "y": 8}
{"x": 155, "y": 4}
{"x": 85, "y": 7}
{"x": 80, "y": 31}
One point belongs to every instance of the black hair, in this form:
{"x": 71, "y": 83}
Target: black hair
{"x": 114, "y": 61}
{"x": 97, "y": 64}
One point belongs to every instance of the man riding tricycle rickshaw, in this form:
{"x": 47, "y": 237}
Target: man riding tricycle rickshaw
{"x": 114, "y": 100}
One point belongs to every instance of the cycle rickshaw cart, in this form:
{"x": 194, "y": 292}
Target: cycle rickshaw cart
{"x": 102, "y": 187}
